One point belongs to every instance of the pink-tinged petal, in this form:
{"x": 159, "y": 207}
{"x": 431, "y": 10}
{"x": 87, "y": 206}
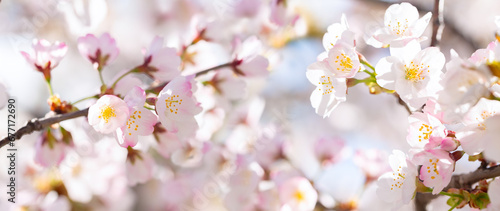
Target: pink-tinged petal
{"x": 48, "y": 156}
{"x": 45, "y": 53}
{"x": 298, "y": 193}
{"x": 398, "y": 187}
{"x": 437, "y": 168}
{"x": 254, "y": 67}
{"x": 141, "y": 170}
{"x": 126, "y": 139}
{"x": 126, "y": 83}
{"x": 343, "y": 61}
{"x": 494, "y": 191}
{"x": 407, "y": 52}
{"x": 108, "y": 114}
{"x": 167, "y": 63}
{"x": 88, "y": 45}
{"x": 135, "y": 97}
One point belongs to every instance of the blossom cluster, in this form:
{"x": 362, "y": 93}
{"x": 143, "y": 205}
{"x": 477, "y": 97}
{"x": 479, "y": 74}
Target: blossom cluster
{"x": 454, "y": 105}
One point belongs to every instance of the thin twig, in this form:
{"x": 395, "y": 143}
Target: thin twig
{"x": 40, "y": 124}
{"x": 437, "y": 22}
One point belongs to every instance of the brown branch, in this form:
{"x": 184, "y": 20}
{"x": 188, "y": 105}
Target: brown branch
{"x": 458, "y": 181}
{"x": 40, "y": 124}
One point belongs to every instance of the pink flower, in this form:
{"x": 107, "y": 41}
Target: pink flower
{"x": 177, "y": 107}
{"x": 437, "y": 168}
{"x": 298, "y": 194}
{"x": 247, "y": 61}
{"x": 329, "y": 150}
{"x": 373, "y": 162}
{"x": 338, "y": 33}
{"x": 139, "y": 166}
{"x": 424, "y": 130}
{"x": 141, "y": 121}
{"x": 342, "y": 61}
{"x": 99, "y": 51}
{"x": 108, "y": 114}
{"x": 398, "y": 187}
{"x": 279, "y": 14}
{"x": 50, "y": 149}
{"x": 161, "y": 63}
{"x": 330, "y": 91}
{"x": 401, "y": 25}
{"x": 47, "y": 56}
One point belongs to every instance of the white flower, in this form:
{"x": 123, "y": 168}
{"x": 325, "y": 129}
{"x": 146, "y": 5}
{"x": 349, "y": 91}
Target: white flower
{"x": 298, "y": 194}
{"x": 494, "y": 194}
{"x": 398, "y": 187}
{"x": 490, "y": 138}
{"x": 401, "y": 25}
{"x": 342, "y": 61}
{"x": 108, "y": 114}
{"x": 329, "y": 92}
{"x": 176, "y": 106}
{"x": 415, "y": 75}
{"x": 338, "y": 32}
{"x": 472, "y": 135}
{"x": 423, "y": 129}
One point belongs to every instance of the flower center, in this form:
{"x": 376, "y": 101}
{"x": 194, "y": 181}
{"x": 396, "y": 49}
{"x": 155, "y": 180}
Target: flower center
{"x": 432, "y": 168}
{"x": 426, "y": 132}
{"x": 414, "y": 72}
{"x": 299, "y": 196}
{"x": 131, "y": 125}
{"x": 399, "y": 178}
{"x": 399, "y": 28}
{"x": 345, "y": 62}
{"x": 326, "y": 85}
{"x": 483, "y": 117}
{"x": 171, "y": 103}
{"x": 107, "y": 112}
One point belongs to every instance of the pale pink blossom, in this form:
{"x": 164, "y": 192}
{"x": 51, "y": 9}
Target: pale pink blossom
{"x": 342, "y": 61}
{"x": 490, "y": 137}
{"x": 338, "y": 33}
{"x": 297, "y": 194}
{"x": 401, "y": 25}
{"x": 437, "y": 168}
{"x": 373, "y": 162}
{"x": 108, "y": 114}
{"x": 280, "y": 15}
{"x": 124, "y": 85}
{"x": 398, "y": 187}
{"x": 425, "y": 130}
{"x": 140, "y": 122}
{"x": 176, "y": 106}
{"x": 415, "y": 75}
{"x": 471, "y": 135}
{"x": 330, "y": 91}
{"x": 494, "y": 193}
{"x": 329, "y": 150}
{"x": 247, "y": 59}
{"x": 161, "y": 63}
{"x": 190, "y": 155}
{"x": 46, "y": 57}
{"x": 50, "y": 149}
{"x": 100, "y": 51}
{"x": 139, "y": 167}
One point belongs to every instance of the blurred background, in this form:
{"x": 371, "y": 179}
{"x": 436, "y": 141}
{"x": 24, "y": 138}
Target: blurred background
{"x": 364, "y": 122}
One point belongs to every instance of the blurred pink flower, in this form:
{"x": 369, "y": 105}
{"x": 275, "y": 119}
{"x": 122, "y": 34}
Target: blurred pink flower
{"x": 280, "y": 15}
{"x": 373, "y": 162}
{"x": 247, "y": 59}
{"x": 424, "y": 130}
{"x": 329, "y": 150}
{"x": 139, "y": 166}
{"x": 50, "y": 149}
{"x": 46, "y": 57}
{"x": 161, "y": 63}
{"x": 176, "y": 106}
{"x": 298, "y": 194}
{"x": 99, "y": 51}
{"x": 108, "y": 114}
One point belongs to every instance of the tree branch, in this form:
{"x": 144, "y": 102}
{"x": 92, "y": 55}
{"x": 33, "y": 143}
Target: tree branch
{"x": 437, "y": 22}
{"x": 40, "y": 124}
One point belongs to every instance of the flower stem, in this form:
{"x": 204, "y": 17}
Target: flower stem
{"x": 122, "y": 76}
{"x": 51, "y": 91}
{"x": 86, "y": 98}
{"x": 102, "y": 80}
{"x": 367, "y": 64}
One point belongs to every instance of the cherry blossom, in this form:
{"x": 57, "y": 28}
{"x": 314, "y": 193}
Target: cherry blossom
{"x": 437, "y": 168}
{"x": 373, "y": 162}
{"x": 248, "y": 62}
{"x": 490, "y": 138}
{"x": 141, "y": 121}
{"x": 50, "y": 150}
{"x": 280, "y": 15}
{"x": 176, "y": 106}
{"x": 297, "y": 193}
{"x": 342, "y": 61}
{"x": 46, "y": 57}
{"x": 425, "y": 130}
{"x": 415, "y": 76}
{"x": 99, "y": 51}
{"x": 401, "y": 25}
{"x": 329, "y": 150}
{"x": 161, "y": 63}
{"x": 139, "y": 166}
{"x": 398, "y": 187}
{"x": 330, "y": 91}
{"x": 338, "y": 33}
{"x": 108, "y": 114}
{"x": 471, "y": 135}
{"x": 494, "y": 194}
